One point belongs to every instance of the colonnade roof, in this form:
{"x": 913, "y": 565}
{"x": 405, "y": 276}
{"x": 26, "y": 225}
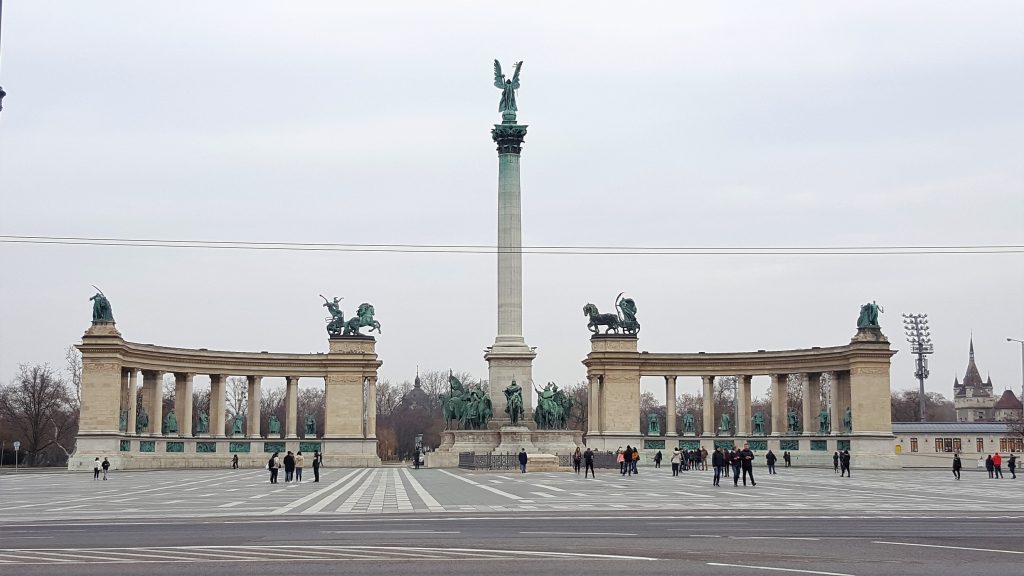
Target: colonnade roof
{"x": 796, "y": 361}
{"x": 132, "y": 355}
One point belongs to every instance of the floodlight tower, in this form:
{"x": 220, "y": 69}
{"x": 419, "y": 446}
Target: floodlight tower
{"x": 916, "y": 328}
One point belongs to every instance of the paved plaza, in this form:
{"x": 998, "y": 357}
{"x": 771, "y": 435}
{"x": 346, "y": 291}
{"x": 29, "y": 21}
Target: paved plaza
{"x": 398, "y": 489}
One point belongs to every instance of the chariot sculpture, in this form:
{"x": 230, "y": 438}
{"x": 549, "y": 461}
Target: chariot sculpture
{"x": 622, "y": 322}
{"x": 338, "y": 326}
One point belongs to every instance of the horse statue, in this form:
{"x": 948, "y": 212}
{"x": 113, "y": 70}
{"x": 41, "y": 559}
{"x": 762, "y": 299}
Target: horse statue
{"x": 453, "y": 404}
{"x": 597, "y": 319}
{"x": 363, "y": 317}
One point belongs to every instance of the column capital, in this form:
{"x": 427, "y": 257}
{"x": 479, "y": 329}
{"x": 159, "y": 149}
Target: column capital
{"x": 509, "y": 137}
{"x": 670, "y": 379}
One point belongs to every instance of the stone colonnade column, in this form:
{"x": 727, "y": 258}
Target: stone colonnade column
{"x": 252, "y": 426}
{"x": 371, "y": 408}
{"x": 743, "y": 405}
{"x": 218, "y": 399}
{"x": 709, "y": 406}
{"x": 128, "y": 378}
{"x": 780, "y": 397}
{"x": 670, "y": 405}
{"x": 840, "y": 400}
{"x": 183, "y": 402}
{"x": 291, "y": 403}
{"x": 153, "y": 399}
{"x": 591, "y": 405}
{"x": 811, "y": 401}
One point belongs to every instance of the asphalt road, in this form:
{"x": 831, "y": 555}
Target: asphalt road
{"x": 726, "y": 542}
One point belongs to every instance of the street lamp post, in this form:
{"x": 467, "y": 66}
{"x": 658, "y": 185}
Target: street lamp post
{"x": 1021, "y": 342}
{"x": 916, "y": 328}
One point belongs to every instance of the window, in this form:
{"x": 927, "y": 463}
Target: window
{"x": 941, "y": 444}
{"x": 980, "y": 445}
{"x": 913, "y": 444}
{"x": 1011, "y": 444}
{"x": 956, "y": 444}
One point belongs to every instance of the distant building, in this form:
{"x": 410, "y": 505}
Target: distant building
{"x": 973, "y": 398}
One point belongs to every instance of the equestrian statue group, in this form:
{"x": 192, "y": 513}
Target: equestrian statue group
{"x": 622, "y": 322}
{"x": 467, "y": 407}
{"x": 338, "y": 326}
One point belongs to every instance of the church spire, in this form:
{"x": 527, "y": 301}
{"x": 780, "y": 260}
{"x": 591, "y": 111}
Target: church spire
{"x": 972, "y": 346}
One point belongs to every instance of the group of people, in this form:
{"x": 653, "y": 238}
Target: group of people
{"x": 685, "y": 460}
{"x": 98, "y": 466}
{"x": 841, "y": 462}
{"x": 583, "y": 458}
{"x": 994, "y": 466}
{"x": 293, "y": 465}
{"x": 627, "y": 460}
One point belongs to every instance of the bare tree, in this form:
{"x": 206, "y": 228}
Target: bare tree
{"x": 74, "y": 368}
{"x": 906, "y": 407}
{"x": 579, "y": 393}
{"x": 311, "y": 401}
{"x": 42, "y": 411}
{"x": 650, "y": 405}
{"x": 200, "y": 405}
{"x": 169, "y": 392}
{"x": 271, "y": 403}
{"x": 694, "y": 405}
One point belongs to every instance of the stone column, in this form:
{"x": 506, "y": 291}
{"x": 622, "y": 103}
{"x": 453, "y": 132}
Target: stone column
{"x": 126, "y": 379}
{"x": 810, "y": 419}
{"x": 291, "y": 403}
{"x": 371, "y": 409}
{"x": 218, "y": 408}
{"x": 709, "y": 406}
{"x": 133, "y": 394}
{"x": 593, "y": 406}
{"x": 509, "y": 357}
{"x": 670, "y": 406}
{"x": 836, "y": 408}
{"x": 743, "y": 405}
{"x": 252, "y": 425}
{"x": 780, "y": 398}
{"x": 153, "y": 399}
{"x": 183, "y": 402}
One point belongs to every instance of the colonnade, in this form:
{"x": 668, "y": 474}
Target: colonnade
{"x": 152, "y": 403}
{"x": 859, "y": 384}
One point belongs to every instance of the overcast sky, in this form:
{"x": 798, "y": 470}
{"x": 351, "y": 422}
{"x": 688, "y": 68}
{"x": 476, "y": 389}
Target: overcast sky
{"x": 651, "y": 124}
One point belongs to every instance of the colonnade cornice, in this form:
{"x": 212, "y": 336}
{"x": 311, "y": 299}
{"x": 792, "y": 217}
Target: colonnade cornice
{"x": 148, "y": 357}
{"x": 809, "y": 360}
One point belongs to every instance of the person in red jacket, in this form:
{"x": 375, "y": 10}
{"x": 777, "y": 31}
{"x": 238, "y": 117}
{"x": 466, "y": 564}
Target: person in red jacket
{"x": 997, "y": 463}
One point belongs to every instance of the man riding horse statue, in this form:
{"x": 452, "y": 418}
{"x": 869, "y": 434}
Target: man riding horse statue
{"x": 623, "y": 322}
{"x": 336, "y": 324}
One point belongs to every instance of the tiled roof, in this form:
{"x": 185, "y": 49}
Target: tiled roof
{"x": 949, "y": 427}
{"x": 1008, "y": 401}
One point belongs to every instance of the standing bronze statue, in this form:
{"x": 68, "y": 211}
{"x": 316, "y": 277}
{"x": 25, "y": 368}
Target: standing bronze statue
{"x": 101, "y": 310}
{"x": 514, "y": 402}
{"x": 507, "y": 105}
{"x": 869, "y": 315}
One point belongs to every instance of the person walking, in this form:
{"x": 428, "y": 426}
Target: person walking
{"x": 844, "y": 464}
{"x": 997, "y": 464}
{"x": 620, "y": 457}
{"x": 273, "y": 465}
{"x": 770, "y": 459}
{"x": 703, "y": 458}
{"x": 577, "y": 460}
{"x": 676, "y": 459}
{"x": 787, "y": 458}
{"x": 657, "y": 459}
{"x": 523, "y": 459}
{"x": 96, "y": 468}
{"x": 105, "y": 466}
{"x": 627, "y": 459}
{"x": 747, "y": 462}
{"x": 316, "y": 465}
{"x": 835, "y": 462}
{"x": 737, "y": 463}
{"x": 717, "y": 462}
{"x": 234, "y": 462}
{"x": 416, "y": 459}
{"x": 588, "y": 460}
{"x": 635, "y": 460}
{"x": 990, "y": 467}
{"x": 299, "y": 461}
{"x": 956, "y": 465}
{"x": 289, "y": 466}
{"x": 1012, "y": 465}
